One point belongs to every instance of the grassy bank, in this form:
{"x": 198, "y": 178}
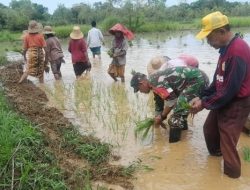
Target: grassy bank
{"x": 24, "y": 161}
{"x": 41, "y": 149}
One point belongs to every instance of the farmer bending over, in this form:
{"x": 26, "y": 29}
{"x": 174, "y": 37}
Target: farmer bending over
{"x": 182, "y": 83}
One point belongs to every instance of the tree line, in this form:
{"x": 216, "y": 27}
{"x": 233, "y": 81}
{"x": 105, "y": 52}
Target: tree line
{"x": 133, "y": 13}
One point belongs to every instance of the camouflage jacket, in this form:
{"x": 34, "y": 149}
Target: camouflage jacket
{"x": 170, "y": 83}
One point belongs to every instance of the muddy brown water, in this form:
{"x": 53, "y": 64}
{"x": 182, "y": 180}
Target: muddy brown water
{"x": 109, "y": 110}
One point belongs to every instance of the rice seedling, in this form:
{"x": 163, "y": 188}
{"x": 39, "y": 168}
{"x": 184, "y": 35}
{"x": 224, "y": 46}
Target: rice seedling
{"x": 143, "y": 127}
{"x": 246, "y": 153}
{"x": 185, "y": 105}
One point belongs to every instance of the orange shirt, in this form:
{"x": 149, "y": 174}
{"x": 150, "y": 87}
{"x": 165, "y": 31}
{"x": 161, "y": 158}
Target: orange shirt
{"x": 34, "y": 40}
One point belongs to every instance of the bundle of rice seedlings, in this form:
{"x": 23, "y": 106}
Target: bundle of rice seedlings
{"x": 246, "y": 153}
{"x": 184, "y": 104}
{"x": 110, "y": 53}
{"x": 143, "y": 127}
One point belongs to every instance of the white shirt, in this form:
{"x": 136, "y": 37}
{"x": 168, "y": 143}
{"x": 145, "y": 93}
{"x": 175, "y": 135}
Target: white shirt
{"x": 95, "y": 38}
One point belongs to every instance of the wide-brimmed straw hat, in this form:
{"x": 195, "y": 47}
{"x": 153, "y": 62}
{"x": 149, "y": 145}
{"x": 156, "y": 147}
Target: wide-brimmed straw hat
{"x": 76, "y": 33}
{"x": 120, "y": 28}
{"x": 155, "y": 64}
{"x": 34, "y": 27}
{"x": 48, "y": 30}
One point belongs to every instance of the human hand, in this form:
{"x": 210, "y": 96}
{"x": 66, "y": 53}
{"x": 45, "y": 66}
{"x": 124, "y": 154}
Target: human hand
{"x": 196, "y": 105}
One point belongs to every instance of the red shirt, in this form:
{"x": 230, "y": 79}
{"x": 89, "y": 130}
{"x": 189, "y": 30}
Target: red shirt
{"x": 78, "y": 50}
{"x": 232, "y": 76}
{"x": 34, "y": 40}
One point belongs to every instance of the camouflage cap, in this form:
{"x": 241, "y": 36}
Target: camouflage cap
{"x": 135, "y": 81}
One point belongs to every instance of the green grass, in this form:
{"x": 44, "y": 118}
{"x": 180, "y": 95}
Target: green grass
{"x": 239, "y": 21}
{"x": 6, "y": 35}
{"x": 89, "y": 148}
{"x": 246, "y": 153}
{"x": 3, "y": 59}
{"x": 64, "y": 31}
{"x": 24, "y": 161}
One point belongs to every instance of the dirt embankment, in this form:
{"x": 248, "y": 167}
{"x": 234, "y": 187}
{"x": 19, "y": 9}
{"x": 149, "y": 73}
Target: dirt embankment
{"x": 31, "y": 102}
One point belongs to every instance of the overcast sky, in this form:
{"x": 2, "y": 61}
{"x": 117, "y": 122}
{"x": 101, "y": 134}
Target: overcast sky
{"x": 52, "y": 4}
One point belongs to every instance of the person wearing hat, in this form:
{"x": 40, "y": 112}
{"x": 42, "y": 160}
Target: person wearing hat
{"x": 160, "y": 63}
{"x": 79, "y": 55}
{"x": 228, "y": 96}
{"x": 118, "y": 51}
{"x": 54, "y": 53}
{"x": 33, "y": 46}
{"x": 181, "y": 83}
{"x": 95, "y": 40}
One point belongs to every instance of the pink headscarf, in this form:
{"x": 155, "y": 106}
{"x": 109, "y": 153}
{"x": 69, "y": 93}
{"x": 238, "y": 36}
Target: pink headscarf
{"x": 119, "y": 27}
{"x": 189, "y": 60}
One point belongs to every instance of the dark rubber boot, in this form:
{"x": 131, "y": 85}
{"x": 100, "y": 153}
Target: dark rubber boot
{"x": 174, "y": 134}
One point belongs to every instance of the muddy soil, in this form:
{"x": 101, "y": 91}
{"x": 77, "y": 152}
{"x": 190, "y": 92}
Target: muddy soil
{"x": 31, "y": 102}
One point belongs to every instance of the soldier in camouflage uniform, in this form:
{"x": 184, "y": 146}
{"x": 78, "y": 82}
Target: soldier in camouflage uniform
{"x": 183, "y": 83}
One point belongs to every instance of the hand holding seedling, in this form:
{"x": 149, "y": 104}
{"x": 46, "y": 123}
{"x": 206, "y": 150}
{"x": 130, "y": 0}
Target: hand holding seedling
{"x": 196, "y": 105}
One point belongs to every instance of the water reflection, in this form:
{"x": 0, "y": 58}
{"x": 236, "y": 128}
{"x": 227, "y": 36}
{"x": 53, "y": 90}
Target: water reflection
{"x": 109, "y": 111}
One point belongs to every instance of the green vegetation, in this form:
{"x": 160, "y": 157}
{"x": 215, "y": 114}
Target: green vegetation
{"x": 246, "y": 153}
{"x": 3, "y": 59}
{"x": 143, "y": 127}
{"x": 139, "y": 16}
{"x": 24, "y": 161}
{"x": 94, "y": 153}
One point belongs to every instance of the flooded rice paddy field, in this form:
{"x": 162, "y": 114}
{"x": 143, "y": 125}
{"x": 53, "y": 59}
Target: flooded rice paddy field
{"x": 109, "y": 110}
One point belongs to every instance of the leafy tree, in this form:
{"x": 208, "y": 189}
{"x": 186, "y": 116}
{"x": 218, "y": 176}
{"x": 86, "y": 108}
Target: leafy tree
{"x": 84, "y": 13}
{"x": 3, "y": 17}
{"x": 40, "y": 12}
{"x": 16, "y": 20}
{"x": 62, "y": 15}
{"x": 132, "y": 14}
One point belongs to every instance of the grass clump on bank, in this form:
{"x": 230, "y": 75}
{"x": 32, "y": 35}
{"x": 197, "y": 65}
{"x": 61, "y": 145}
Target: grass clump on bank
{"x": 3, "y": 59}
{"x": 246, "y": 153}
{"x": 92, "y": 150}
{"x": 24, "y": 161}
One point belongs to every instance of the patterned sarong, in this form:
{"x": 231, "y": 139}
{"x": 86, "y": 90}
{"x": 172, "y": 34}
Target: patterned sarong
{"x": 35, "y": 61}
